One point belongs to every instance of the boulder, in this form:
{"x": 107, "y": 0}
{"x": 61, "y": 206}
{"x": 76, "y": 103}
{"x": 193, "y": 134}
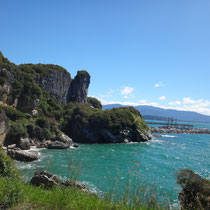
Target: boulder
{"x": 11, "y": 146}
{"x": 24, "y": 144}
{"x": 75, "y": 145}
{"x": 25, "y": 156}
{"x": 65, "y": 139}
{"x": 45, "y": 179}
{"x": 58, "y": 145}
{"x": 49, "y": 180}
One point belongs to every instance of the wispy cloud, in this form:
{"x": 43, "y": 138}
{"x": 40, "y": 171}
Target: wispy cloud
{"x": 191, "y": 101}
{"x": 188, "y": 104}
{"x": 175, "y": 103}
{"x": 109, "y": 94}
{"x": 162, "y": 98}
{"x": 127, "y": 91}
{"x": 159, "y": 84}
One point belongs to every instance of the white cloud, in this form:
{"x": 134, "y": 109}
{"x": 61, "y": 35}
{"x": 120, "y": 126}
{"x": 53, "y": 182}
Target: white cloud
{"x": 162, "y": 98}
{"x": 142, "y": 101}
{"x": 127, "y": 91}
{"x": 176, "y": 103}
{"x": 191, "y": 101}
{"x": 159, "y": 84}
{"x": 109, "y": 94}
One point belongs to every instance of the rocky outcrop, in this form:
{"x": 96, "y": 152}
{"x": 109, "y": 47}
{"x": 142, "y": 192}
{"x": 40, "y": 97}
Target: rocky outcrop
{"x": 21, "y": 155}
{"x": 179, "y": 130}
{"x": 51, "y": 78}
{"x": 79, "y": 87}
{"x": 87, "y": 135}
{"x": 120, "y": 125}
{"x": 49, "y": 180}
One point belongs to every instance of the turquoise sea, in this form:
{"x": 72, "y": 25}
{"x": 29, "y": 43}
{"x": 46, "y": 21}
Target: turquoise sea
{"x": 111, "y": 167}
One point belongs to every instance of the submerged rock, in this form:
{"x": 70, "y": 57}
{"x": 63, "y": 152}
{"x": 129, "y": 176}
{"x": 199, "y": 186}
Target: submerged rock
{"x": 25, "y": 156}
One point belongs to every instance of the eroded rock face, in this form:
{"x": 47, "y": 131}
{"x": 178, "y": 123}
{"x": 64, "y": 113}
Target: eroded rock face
{"x": 79, "y": 87}
{"x": 57, "y": 84}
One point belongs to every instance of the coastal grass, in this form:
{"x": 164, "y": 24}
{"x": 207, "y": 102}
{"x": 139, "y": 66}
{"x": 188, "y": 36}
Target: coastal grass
{"x": 69, "y": 198}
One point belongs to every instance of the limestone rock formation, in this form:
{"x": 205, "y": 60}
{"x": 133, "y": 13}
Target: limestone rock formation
{"x": 79, "y": 87}
{"x": 57, "y": 83}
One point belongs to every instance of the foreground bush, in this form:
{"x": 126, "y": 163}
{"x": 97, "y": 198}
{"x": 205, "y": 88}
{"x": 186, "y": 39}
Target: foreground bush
{"x": 195, "y": 192}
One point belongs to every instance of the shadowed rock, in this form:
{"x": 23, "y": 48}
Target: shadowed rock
{"x": 24, "y": 144}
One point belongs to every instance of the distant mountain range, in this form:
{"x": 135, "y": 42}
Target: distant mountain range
{"x": 155, "y": 113}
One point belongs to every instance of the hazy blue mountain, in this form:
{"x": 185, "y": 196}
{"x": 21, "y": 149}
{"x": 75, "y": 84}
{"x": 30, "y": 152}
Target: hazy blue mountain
{"x": 155, "y": 113}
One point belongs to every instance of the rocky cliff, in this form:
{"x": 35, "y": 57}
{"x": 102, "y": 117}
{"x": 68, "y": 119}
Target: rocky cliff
{"x": 20, "y": 85}
{"x": 57, "y": 83}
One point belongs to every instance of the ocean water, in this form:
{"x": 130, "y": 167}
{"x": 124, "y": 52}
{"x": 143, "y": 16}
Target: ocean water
{"x": 112, "y": 167}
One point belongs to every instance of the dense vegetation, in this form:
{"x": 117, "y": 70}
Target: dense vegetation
{"x": 195, "y": 192}
{"x": 85, "y": 123}
{"x": 94, "y": 102}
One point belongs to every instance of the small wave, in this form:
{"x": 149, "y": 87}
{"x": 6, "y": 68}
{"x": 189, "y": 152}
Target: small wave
{"x": 24, "y": 166}
{"x": 71, "y": 147}
{"x": 34, "y": 148}
{"x": 155, "y": 141}
{"x": 131, "y": 142}
{"x": 92, "y": 187}
{"x": 168, "y": 136}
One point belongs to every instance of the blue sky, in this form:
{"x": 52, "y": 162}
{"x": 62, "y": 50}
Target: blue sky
{"x": 153, "y": 52}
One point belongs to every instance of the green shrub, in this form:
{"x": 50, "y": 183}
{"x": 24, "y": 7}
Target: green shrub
{"x": 2, "y": 81}
{"x": 43, "y": 122}
{"x": 16, "y": 131}
{"x": 14, "y": 114}
{"x": 195, "y": 190}
{"x": 94, "y": 102}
